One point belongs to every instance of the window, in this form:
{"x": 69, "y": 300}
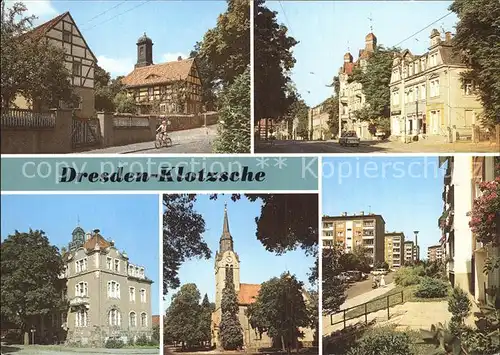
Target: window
{"x": 141, "y": 50}
{"x": 468, "y": 87}
{"x": 114, "y": 318}
{"x": 81, "y": 319}
{"x": 150, "y": 91}
{"x": 113, "y": 289}
{"x": 423, "y": 64}
{"x": 144, "y": 320}
{"x": 133, "y": 319}
{"x": 67, "y": 36}
{"x": 132, "y": 294}
{"x": 422, "y": 92}
{"x": 117, "y": 265}
{"x": 81, "y": 265}
{"x": 395, "y": 97}
{"x": 143, "y": 295}
{"x": 77, "y": 68}
{"x": 327, "y": 243}
{"x": 109, "y": 263}
{"x": 163, "y": 108}
{"x": 81, "y": 289}
{"x": 434, "y": 88}
{"x": 327, "y": 233}
{"x": 340, "y": 234}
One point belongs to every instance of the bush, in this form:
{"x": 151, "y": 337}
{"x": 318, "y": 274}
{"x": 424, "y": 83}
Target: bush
{"x": 432, "y": 288}
{"x": 383, "y": 343}
{"x": 341, "y": 341}
{"x": 459, "y": 306}
{"x": 407, "y": 276}
{"x": 113, "y": 343}
{"x": 142, "y": 341}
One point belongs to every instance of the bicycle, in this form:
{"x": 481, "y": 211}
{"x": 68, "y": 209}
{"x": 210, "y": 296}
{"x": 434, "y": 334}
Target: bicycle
{"x": 162, "y": 140}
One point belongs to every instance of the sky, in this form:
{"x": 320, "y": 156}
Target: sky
{"x": 132, "y": 221}
{"x": 256, "y": 264}
{"x": 406, "y": 191}
{"x": 111, "y": 28}
{"x": 326, "y": 29}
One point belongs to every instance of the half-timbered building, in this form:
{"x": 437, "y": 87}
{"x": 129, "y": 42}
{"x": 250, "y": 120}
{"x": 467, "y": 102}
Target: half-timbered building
{"x": 171, "y": 87}
{"x": 63, "y": 32}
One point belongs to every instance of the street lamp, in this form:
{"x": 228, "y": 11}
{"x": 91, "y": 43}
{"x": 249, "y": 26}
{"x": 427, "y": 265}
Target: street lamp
{"x": 416, "y": 246}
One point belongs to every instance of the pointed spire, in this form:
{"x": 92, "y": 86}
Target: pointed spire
{"x": 226, "y": 240}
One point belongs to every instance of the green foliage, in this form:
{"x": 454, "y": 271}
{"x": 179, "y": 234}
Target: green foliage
{"x": 113, "y": 343}
{"x": 408, "y": 275}
{"x": 233, "y": 134}
{"x": 124, "y": 103}
{"x": 30, "y": 284}
{"x": 459, "y": 306}
{"x": 184, "y": 317}
{"x": 206, "y": 319}
{"x": 313, "y": 310}
{"x": 375, "y": 80}
{"x": 103, "y": 94}
{"x": 273, "y": 62}
{"x": 435, "y": 269}
{"x": 442, "y": 339}
{"x": 298, "y": 110}
{"x": 487, "y": 336}
{"x": 231, "y": 333}
{"x": 142, "y": 341}
{"x": 30, "y": 67}
{"x": 381, "y": 265}
{"x": 332, "y": 107}
{"x": 358, "y": 259}
{"x": 476, "y": 40}
{"x": 341, "y": 341}
{"x": 183, "y": 228}
{"x": 432, "y": 288}
{"x": 280, "y": 309}
{"x": 383, "y": 343}
{"x": 334, "y": 288}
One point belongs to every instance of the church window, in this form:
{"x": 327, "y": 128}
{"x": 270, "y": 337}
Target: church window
{"x": 144, "y": 319}
{"x": 114, "y": 318}
{"x": 133, "y": 319}
{"x": 81, "y": 318}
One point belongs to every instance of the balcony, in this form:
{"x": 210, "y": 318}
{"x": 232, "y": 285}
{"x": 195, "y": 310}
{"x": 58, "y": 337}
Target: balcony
{"x": 79, "y": 301}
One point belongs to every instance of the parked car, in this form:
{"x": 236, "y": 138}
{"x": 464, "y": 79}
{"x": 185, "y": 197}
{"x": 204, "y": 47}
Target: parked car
{"x": 355, "y": 275}
{"x": 349, "y": 138}
{"x": 378, "y": 272}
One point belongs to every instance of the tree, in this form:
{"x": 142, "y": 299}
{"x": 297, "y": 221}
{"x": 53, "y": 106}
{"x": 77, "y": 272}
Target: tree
{"x": 299, "y": 111}
{"x": 31, "y": 67}
{"x": 207, "y": 76}
{"x": 375, "y": 79}
{"x": 334, "y": 287}
{"x": 183, "y": 228}
{"x": 206, "y": 319}
{"x": 273, "y": 62}
{"x": 183, "y": 316}
{"x": 30, "y": 284}
{"x": 476, "y": 41}
{"x": 104, "y": 96}
{"x": 313, "y": 312}
{"x": 281, "y": 310}
{"x": 231, "y": 333}
{"x": 233, "y": 135}
{"x": 332, "y": 107}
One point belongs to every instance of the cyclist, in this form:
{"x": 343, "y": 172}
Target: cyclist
{"x": 162, "y": 130}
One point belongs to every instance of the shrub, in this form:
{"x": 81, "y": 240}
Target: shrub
{"x": 113, "y": 343}
{"x": 432, "y": 288}
{"x": 407, "y": 276}
{"x": 385, "y": 342}
{"x": 459, "y": 306}
{"x": 142, "y": 341}
{"x": 341, "y": 341}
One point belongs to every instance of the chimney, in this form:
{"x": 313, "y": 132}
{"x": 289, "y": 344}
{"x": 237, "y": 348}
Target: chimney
{"x": 447, "y": 37}
{"x": 179, "y": 58}
{"x": 96, "y": 231}
{"x": 362, "y": 213}
{"x": 112, "y": 243}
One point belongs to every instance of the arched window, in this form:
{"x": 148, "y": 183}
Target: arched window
{"x": 229, "y": 273}
{"x": 144, "y": 319}
{"x": 133, "y": 319}
{"x": 81, "y": 319}
{"x": 114, "y": 318}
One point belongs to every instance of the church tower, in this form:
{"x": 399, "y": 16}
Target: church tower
{"x": 227, "y": 263}
{"x": 144, "y": 51}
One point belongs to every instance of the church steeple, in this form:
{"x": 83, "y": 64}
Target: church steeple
{"x": 226, "y": 240}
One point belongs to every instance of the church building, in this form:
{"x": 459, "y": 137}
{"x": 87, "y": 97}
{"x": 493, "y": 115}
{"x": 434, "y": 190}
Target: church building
{"x": 228, "y": 261}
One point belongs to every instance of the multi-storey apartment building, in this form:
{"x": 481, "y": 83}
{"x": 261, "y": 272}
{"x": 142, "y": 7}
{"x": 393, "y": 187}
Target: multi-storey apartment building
{"x": 318, "y": 117}
{"x": 435, "y": 253}
{"x": 428, "y": 96}
{"x": 361, "y": 230}
{"x": 393, "y": 249}
{"x": 409, "y": 251}
{"x": 465, "y": 257}
{"x": 108, "y": 295}
{"x": 351, "y": 97}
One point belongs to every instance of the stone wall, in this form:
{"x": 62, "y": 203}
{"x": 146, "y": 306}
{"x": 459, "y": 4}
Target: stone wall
{"x": 25, "y": 132}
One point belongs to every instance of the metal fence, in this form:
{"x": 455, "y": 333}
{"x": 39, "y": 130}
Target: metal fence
{"x": 372, "y": 306}
{"x": 20, "y": 118}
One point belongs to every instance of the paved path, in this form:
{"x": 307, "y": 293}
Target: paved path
{"x": 365, "y": 286}
{"x": 290, "y": 146}
{"x": 197, "y": 140}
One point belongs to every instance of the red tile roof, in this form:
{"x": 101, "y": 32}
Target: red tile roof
{"x": 155, "y": 320}
{"x": 42, "y": 29}
{"x": 159, "y": 73}
{"x": 248, "y": 293}
{"x": 96, "y": 239}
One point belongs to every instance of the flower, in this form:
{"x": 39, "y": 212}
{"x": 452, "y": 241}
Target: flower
{"x": 485, "y": 214}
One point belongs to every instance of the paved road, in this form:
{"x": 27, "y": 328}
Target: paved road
{"x": 291, "y": 146}
{"x": 197, "y": 140}
{"x": 365, "y": 286}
